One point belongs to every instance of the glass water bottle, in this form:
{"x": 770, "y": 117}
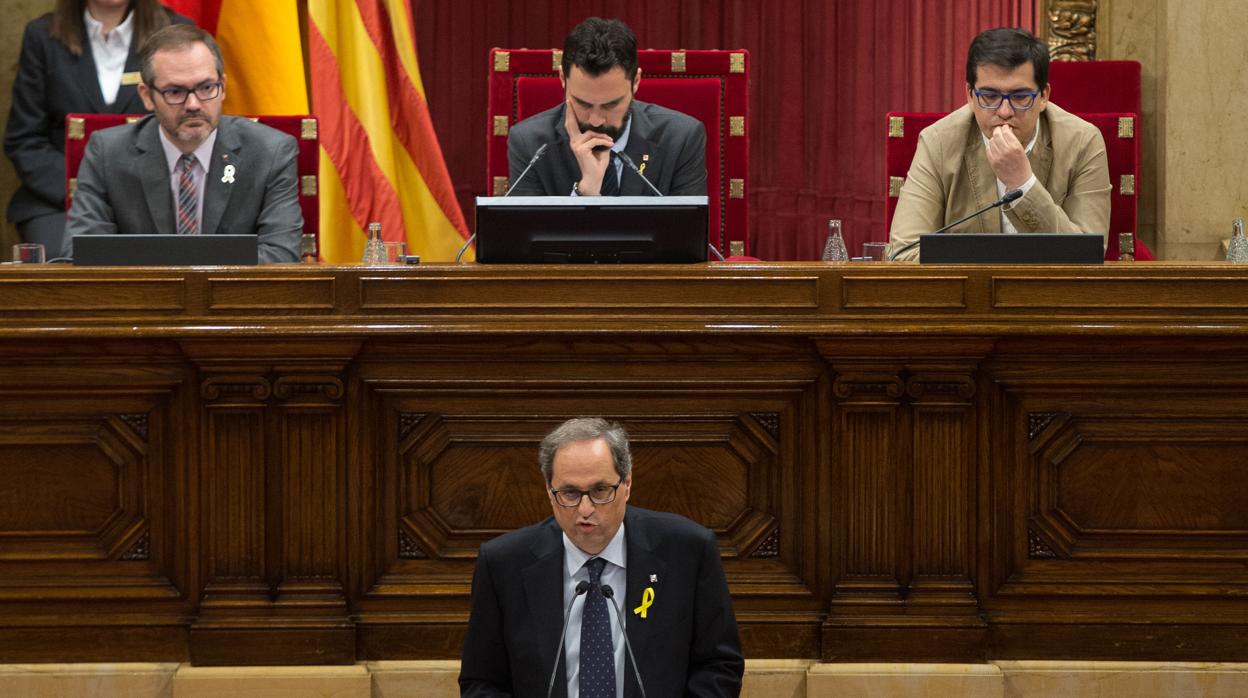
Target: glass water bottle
{"x": 834, "y": 249}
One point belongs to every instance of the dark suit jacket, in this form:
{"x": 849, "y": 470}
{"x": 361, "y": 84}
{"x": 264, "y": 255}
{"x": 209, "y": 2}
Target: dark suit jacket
{"x": 674, "y": 142}
{"x": 123, "y": 186}
{"x": 51, "y": 82}
{"x": 686, "y": 646}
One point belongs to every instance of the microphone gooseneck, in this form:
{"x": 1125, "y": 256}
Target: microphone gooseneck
{"x": 1010, "y": 197}
{"x": 624, "y": 158}
{"x": 532, "y": 161}
{"x": 609, "y": 593}
{"x": 581, "y": 588}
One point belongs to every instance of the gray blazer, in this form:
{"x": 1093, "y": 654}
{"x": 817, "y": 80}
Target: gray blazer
{"x": 123, "y": 187}
{"x": 675, "y": 144}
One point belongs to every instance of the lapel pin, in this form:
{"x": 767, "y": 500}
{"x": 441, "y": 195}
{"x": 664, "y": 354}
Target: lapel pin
{"x": 228, "y": 177}
{"x": 647, "y": 600}
{"x": 654, "y": 578}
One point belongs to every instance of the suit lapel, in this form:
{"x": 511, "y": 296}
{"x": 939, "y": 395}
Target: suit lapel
{"x": 983, "y": 183}
{"x": 543, "y": 590}
{"x": 217, "y": 189}
{"x": 154, "y": 173}
{"x": 1041, "y": 156}
{"x": 88, "y": 81}
{"x": 640, "y": 149}
{"x": 128, "y": 100}
{"x": 642, "y": 564}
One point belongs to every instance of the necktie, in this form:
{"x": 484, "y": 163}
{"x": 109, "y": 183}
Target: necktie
{"x": 187, "y": 197}
{"x": 610, "y": 179}
{"x": 597, "y": 671}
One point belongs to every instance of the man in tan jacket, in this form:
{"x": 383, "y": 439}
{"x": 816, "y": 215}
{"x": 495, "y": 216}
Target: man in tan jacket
{"x": 1008, "y": 136}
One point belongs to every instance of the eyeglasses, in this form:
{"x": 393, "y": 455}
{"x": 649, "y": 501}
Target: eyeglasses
{"x": 174, "y": 96}
{"x": 602, "y": 494}
{"x": 991, "y": 99}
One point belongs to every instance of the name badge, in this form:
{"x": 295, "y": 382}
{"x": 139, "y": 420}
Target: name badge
{"x": 131, "y": 78}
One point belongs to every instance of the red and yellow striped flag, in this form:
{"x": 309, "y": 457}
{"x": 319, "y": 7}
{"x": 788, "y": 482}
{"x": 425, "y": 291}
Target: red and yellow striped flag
{"x": 263, "y": 51}
{"x": 380, "y": 159}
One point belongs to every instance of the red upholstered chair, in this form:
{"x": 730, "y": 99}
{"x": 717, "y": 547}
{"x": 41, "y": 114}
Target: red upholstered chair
{"x": 79, "y": 127}
{"x": 711, "y": 86}
{"x": 1121, "y": 146}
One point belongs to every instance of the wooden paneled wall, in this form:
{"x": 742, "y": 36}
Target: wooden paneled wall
{"x": 297, "y": 464}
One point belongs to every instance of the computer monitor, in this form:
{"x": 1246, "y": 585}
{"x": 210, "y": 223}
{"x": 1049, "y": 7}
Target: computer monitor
{"x": 1015, "y": 248}
{"x": 165, "y": 250}
{"x": 591, "y": 230}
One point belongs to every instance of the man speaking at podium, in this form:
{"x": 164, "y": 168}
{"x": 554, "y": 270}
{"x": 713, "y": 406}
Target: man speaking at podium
{"x": 1008, "y": 137}
{"x": 595, "y": 565}
{"x": 599, "y": 119}
{"x": 186, "y": 169}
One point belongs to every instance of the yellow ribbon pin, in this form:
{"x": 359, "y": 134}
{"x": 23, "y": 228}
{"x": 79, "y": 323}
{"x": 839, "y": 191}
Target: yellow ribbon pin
{"x": 647, "y": 600}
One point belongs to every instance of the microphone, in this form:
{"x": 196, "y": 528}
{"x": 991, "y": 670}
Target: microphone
{"x": 1010, "y": 197}
{"x": 581, "y": 588}
{"x": 609, "y": 593}
{"x": 624, "y": 158}
{"x": 532, "y": 161}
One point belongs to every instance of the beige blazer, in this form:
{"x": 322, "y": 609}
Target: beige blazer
{"x": 950, "y": 178}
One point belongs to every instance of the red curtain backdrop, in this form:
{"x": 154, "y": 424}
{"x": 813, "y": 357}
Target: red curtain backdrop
{"x": 824, "y": 73}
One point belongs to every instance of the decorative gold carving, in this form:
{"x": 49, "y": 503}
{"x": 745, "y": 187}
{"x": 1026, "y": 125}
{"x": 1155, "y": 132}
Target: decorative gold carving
{"x": 736, "y": 62}
{"x": 556, "y": 60}
{"x": 678, "y": 61}
{"x": 132, "y": 119}
{"x": 500, "y": 186}
{"x": 141, "y": 550}
{"x": 501, "y": 125}
{"x": 894, "y": 186}
{"x": 736, "y": 248}
{"x": 1038, "y": 548}
{"x": 736, "y": 126}
{"x": 896, "y": 127}
{"x": 73, "y": 186}
{"x": 502, "y": 61}
{"x": 307, "y": 185}
{"x": 1071, "y": 30}
{"x": 736, "y": 189}
{"x": 1126, "y": 127}
{"x": 770, "y": 547}
{"x": 308, "y": 129}
{"x": 77, "y": 129}
{"x": 1126, "y": 185}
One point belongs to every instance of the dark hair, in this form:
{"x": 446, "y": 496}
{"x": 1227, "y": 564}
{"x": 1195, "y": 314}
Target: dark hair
{"x": 586, "y": 429}
{"x": 1006, "y": 47}
{"x": 598, "y": 45}
{"x": 68, "y": 28}
{"x": 173, "y": 38}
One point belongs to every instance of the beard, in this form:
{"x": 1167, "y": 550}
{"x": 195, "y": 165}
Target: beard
{"x": 614, "y": 132}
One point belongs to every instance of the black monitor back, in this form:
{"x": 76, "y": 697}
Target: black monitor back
{"x": 591, "y": 230}
{"x": 1018, "y": 248}
{"x": 165, "y": 250}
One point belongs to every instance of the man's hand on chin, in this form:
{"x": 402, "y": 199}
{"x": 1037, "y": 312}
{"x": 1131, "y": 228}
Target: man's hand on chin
{"x": 1008, "y": 158}
{"x": 592, "y": 151}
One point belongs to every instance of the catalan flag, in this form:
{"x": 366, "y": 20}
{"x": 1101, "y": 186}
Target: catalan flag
{"x": 380, "y": 159}
{"x": 263, "y": 51}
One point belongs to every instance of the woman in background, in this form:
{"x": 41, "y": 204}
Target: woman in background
{"x": 80, "y": 58}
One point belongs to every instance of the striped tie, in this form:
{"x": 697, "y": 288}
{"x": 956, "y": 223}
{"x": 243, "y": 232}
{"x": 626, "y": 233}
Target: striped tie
{"x": 187, "y": 197}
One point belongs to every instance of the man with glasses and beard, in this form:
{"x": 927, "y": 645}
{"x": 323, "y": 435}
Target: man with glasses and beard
{"x": 1008, "y": 136}
{"x": 600, "y": 117}
{"x": 187, "y": 169}
{"x": 596, "y": 552}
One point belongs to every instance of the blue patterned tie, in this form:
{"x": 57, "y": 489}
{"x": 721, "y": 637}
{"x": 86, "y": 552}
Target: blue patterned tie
{"x": 610, "y": 179}
{"x": 597, "y": 656}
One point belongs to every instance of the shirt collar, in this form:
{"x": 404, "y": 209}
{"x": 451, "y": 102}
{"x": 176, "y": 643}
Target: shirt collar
{"x": 95, "y": 29}
{"x": 575, "y": 558}
{"x": 623, "y": 139}
{"x": 203, "y": 154}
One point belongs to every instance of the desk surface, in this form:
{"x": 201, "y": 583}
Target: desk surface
{"x": 296, "y": 464}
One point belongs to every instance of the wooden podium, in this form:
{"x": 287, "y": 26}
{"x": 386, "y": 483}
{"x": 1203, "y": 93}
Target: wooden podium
{"x": 296, "y": 464}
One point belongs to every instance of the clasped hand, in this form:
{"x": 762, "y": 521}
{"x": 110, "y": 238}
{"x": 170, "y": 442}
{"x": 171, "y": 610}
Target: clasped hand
{"x": 592, "y": 151}
{"x": 1008, "y": 158}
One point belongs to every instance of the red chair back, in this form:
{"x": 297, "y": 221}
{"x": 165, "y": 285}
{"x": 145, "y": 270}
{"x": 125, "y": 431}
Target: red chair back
{"x": 711, "y": 86}
{"x": 79, "y": 127}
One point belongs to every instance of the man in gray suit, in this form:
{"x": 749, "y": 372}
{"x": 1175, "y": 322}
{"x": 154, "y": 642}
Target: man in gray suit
{"x": 186, "y": 169}
{"x": 599, "y": 118}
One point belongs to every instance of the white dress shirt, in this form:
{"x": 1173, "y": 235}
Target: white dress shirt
{"x": 199, "y": 173}
{"x": 1006, "y": 225}
{"x": 613, "y": 575}
{"x": 109, "y": 51}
